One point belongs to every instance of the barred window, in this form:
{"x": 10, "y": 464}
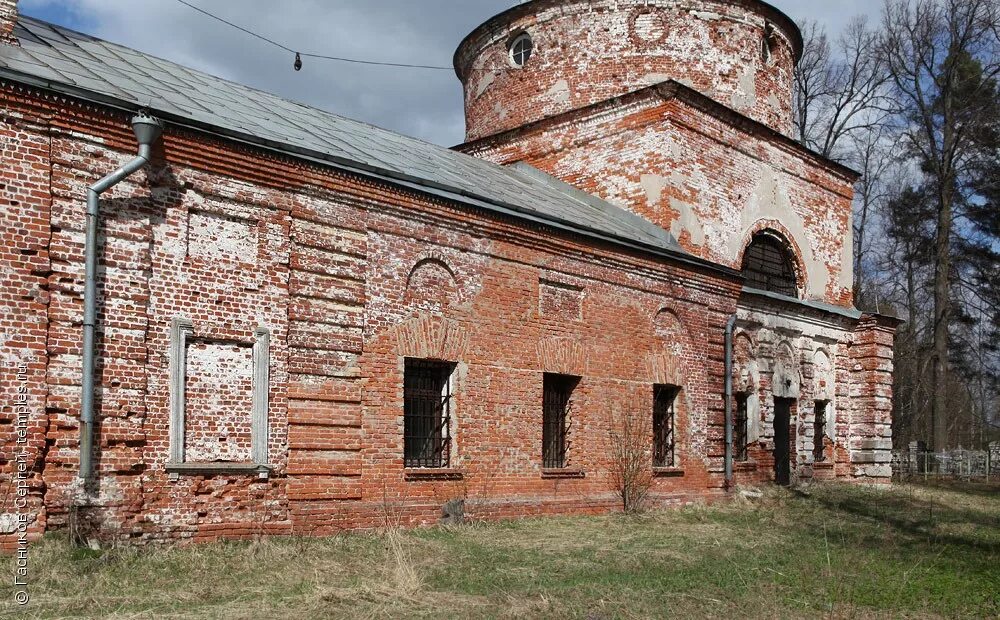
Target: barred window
{"x": 768, "y": 266}
{"x": 664, "y": 414}
{"x": 427, "y": 413}
{"x": 740, "y": 421}
{"x": 819, "y": 432}
{"x": 557, "y": 390}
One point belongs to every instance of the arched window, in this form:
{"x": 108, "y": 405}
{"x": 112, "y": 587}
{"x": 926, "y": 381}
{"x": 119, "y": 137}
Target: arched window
{"x": 768, "y": 265}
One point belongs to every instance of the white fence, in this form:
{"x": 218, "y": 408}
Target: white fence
{"x": 963, "y": 464}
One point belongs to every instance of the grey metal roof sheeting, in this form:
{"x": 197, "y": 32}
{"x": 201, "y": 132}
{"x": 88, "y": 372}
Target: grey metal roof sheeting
{"x": 65, "y": 61}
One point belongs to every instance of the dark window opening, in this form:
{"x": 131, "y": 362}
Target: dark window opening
{"x": 782, "y": 440}
{"x": 819, "y": 432}
{"x": 664, "y": 418}
{"x": 427, "y": 413}
{"x": 557, "y": 390}
{"x": 740, "y": 422}
{"x": 768, "y": 266}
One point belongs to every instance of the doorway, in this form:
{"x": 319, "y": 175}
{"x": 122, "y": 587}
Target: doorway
{"x": 782, "y": 440}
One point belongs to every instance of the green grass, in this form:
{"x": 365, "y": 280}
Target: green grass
{"x": 836, "y": 552}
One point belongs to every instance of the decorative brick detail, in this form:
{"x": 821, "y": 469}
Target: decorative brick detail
{"x": 432, "y": 337}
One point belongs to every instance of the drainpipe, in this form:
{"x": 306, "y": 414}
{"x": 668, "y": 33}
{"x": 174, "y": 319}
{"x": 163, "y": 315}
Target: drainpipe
{"x": 730, "y": 326}
{"x": 147, "y": 131}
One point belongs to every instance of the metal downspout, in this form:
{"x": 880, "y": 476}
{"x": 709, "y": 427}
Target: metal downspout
{"x": 147, "y": 131}
{"x": 730, "y": 326}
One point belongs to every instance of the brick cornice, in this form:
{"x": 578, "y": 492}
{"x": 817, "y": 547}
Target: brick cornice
{"x": 649, "y": 97}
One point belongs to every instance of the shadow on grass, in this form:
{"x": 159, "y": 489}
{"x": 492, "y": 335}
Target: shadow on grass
{"x": 919, "y": 518}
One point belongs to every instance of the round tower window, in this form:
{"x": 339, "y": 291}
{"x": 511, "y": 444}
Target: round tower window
{"x": 520, "y": 49}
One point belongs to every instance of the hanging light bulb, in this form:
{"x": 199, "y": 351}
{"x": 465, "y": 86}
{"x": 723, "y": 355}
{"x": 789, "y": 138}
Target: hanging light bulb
{"x": 298, "y": 62}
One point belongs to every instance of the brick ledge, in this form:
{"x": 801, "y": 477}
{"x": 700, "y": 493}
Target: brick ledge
{"x": 668, "y": 472}
{"x": 555, "y": 474}
{"x": 213, "y": 469}
{"x": 433, "y": 474}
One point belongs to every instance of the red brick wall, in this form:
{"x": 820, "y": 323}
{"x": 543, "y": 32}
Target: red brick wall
{"x": 24, "y": 299}
{"x": 709, "y": 176}
{"x": 350, "y": 277}
{"x": 590, "y": 51}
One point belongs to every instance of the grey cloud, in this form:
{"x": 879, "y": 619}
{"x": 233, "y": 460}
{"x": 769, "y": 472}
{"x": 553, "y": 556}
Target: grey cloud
{"x": 421, "y": 103}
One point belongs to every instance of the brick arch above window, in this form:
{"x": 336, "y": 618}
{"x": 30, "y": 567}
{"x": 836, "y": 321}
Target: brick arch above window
{"x": 431, "y": 284}
{"x": 431, "y": 337}
{"x": 668, "y": 324}
{"x": 665, "y": 365}
{"x": 770, "y": 262}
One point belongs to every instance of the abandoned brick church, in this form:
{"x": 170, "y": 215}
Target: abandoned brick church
{"x": 276, "y": 320}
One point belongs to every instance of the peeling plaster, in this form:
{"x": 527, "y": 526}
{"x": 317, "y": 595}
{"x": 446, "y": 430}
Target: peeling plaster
{"x": 653, "y": 185}
{"x": 559, "y": 93}
{"x": 770, "y": 201}
{"x": 687, "y": 221}
{"x": 687, "y": 218}
{"x": 485, "y": 83}
{"x": 658, "y": 78}
{"x": 745, "y": 95}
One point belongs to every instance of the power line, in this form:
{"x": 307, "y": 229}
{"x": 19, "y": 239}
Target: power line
{"x": 299, "y": 55}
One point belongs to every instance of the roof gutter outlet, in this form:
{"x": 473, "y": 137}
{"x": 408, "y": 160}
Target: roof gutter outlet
{"x": 147, "y": 132}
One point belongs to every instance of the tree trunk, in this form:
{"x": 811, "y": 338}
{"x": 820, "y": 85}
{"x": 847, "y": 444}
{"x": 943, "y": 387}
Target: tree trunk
{"x": 942, "y": 315}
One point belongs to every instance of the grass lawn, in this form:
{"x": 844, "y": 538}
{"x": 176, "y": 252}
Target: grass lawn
{"x": 836, "y": 552}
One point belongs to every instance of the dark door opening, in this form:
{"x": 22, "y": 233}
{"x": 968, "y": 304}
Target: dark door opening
{"x": 782, "y": 440}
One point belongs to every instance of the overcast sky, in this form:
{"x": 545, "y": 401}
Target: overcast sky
{"x": 421, "y": 103}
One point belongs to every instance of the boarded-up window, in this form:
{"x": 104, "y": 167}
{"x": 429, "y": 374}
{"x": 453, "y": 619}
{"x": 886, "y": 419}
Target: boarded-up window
{"x": 219, "y": 400}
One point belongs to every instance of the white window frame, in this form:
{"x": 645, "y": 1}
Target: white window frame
{"x": 512, "y": 51}
{"x": 182, "y": 331}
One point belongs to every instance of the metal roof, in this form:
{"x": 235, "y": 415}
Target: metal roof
{"x": 76, "y": 64}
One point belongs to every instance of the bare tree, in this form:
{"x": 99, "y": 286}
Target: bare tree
{"x": 840, "y": 93}
{"x": 842, "y": 103}
{"x": 630, "y": 453}
{"x": 943, "y": 57}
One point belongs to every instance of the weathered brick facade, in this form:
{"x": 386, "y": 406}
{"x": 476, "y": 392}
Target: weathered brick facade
{"x": 589, "y": 51}
{"x": 8, "y": 18}
{"x": 287, "y": 294}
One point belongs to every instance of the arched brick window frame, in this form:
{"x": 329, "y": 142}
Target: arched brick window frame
{"x": 772, "y": 232}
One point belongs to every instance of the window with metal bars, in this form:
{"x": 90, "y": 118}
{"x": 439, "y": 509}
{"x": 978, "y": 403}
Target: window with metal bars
{"x": 427, "y": 413}
{"x": 819, "y": 432}
{"x": 664, "y": 419}
{"x": 557, "y": 390}
{"x": 740, "y": 421}
{"x": 768, "y": 266}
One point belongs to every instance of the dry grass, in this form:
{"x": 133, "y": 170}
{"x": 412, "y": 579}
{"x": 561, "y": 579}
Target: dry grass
{"x": 836, "y": 552}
